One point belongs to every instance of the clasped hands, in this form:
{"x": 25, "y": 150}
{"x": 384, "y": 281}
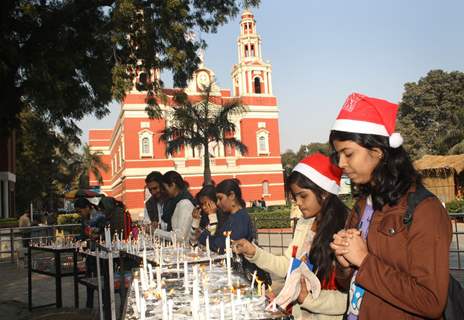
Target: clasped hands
{"x": 349, "y": 247}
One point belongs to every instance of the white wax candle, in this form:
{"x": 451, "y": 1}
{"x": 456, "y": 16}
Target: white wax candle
{"x": 143, "y": 308}
{"x": 137, "y": 295}
{"x": 143, "y": 279}
{"x": 222, "y": 311}
{"x": 210, "y": 264}
{"x": 144, "y": 257}
{"x": 206, "y": 296}
{"x": 150, "y": 275}
{"x": 208, "y": 252}
{"x": 228, "y": 257}
{"x": 263, "y": 291}
{"x": 253, "y": 279}
{"x": 158, "y": 277}
{"x": 165, "y": 305}
{"x": 186, "y": 277}
{"x": 232, "y": 305}
{"x": 170, "y": 309}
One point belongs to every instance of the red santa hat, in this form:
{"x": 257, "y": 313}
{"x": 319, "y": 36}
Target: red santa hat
{"x": 320, "y": 170}
{"x": 363, "y": 114}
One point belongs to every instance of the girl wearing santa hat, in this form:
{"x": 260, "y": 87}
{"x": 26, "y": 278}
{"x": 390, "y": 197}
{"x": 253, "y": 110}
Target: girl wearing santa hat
{"x": 394, "y": 269}
{"x": 314, "y": 184}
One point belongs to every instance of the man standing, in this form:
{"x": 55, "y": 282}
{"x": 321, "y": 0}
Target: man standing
{"x": 154, "y": 205}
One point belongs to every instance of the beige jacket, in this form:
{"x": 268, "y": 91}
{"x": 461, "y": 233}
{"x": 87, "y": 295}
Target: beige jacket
{"x": 330, "y": 305}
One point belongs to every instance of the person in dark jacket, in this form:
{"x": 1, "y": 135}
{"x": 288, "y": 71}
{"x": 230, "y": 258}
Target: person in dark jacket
{"x": 154, "y": 205}
{"x": 229, "y": 197}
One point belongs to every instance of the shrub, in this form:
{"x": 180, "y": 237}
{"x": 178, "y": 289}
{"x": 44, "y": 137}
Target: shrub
{"x": 8, "y": 223}
{"x": 273, "y": 217}
{"x": 68, "y": 218}
{"x": 455, "y": 206}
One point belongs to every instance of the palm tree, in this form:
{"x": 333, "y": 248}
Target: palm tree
{"x": 199, "y": 124}
{"x": 87, "y": 162}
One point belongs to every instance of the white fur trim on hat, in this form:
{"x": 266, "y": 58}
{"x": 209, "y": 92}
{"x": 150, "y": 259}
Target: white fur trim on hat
{"x": 395, "y": 140}
{"x": 358, "y": 126}
{"x": 318, "y": 178}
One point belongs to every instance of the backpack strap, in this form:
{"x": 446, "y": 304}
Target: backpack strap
{"x": 414, "y": 198}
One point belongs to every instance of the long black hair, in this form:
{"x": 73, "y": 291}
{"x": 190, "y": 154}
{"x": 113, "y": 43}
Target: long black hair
{"x": 329, "y": 221}
{"x": 174, "y": 177}
{"x": 392, "y": 177}
{"x": 231, "y": 185}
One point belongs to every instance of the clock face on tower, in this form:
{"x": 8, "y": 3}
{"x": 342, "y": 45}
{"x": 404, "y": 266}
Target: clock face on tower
{"x": 203, "y": 79}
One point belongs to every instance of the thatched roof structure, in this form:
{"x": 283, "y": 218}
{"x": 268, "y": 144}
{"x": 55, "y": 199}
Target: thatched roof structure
{"x": 430, "y": 162}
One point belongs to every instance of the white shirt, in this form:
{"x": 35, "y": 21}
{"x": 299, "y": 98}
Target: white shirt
{"x": 182, "y": 219}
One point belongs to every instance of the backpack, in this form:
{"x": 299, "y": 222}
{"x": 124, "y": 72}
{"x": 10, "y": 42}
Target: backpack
{"x": 454, "y": 309}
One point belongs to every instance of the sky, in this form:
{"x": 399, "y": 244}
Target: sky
{"x": 321, "y": 51}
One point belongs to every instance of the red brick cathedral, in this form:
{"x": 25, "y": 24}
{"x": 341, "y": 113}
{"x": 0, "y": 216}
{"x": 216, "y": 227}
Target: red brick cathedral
{"x": 132, "y": 148}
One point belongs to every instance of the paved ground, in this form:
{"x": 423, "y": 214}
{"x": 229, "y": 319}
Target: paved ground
{"x": 13, "y": 297}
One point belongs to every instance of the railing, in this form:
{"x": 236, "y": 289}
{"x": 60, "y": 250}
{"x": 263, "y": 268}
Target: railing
{"x": 277, "y": 240}
{"x": 14, "y": 239}
{"x": 457, "y": 243}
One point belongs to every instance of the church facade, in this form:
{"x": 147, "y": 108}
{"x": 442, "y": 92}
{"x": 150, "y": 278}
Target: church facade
{"x": 132, "y": 148}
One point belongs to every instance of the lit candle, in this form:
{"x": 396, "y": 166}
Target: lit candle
{"x": 208, "y": 252}
{"x": 253, "y": 280}
{"x": 259, "y": 286}
{"x": 165, "y": 305}
{"x": 263, "y": 291}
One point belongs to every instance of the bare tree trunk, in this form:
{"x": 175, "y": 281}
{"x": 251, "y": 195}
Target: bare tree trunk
{"x": 207, "y": 167}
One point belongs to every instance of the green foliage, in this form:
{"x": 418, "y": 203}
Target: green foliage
{"x": 67, "y": 59}
{"x": 199, "y": 124}
{"x": 8, "y": 223}
{"x": 85, "y": 162}
{"x": 68, "y": 218}
{"x": 271, "y": 218}
{"x": 456, "y": 206}
{"x": 431, "y": 114}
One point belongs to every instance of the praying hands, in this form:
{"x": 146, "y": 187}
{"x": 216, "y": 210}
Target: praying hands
{"x": 349, "y": 247}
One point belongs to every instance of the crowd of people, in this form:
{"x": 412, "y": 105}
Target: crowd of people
{"x": 370, "y": 263}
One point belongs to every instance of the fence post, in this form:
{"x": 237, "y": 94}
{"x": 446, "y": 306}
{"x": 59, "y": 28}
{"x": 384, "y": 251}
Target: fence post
{"x": 12, "y": 244}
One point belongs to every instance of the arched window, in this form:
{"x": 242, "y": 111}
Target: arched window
{"x": 246, "y": 50}
{"x": 262, "y": 138}
{"x": 252, "y": 51}
{"x": 257, "y": 85}
{"x": 146, "y": 143}
{"x": 265, "y": 188}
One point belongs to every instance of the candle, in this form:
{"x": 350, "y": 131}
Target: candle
{"x": 143, "y": 279}
{"x": 144, "y": 257}
{"x": 137, "y": 295}
{"x": 165, "y": 305}
{"x": 206, "y": 296}
{"x": 186, "y": 277}
{"x": 208, "y": 252}
{"x": 221, "y": 307}
{"x": 150, "y": 275}
{"x": 177, "y": 262}
{"x": 263, "y": 291}
{"x": 252, "y": 286}
{"x": 259, "y": 286}
{"x": 158, "y": 277}
{"x": 143, "y": 308}
{"x": 170, "y": 309}
{"x": 228, "y": 257}
{"x": 210, "y": 264}
{"x": 232, "y": 305}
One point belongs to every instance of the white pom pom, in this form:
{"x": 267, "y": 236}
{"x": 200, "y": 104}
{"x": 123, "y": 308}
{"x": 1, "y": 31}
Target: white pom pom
{"x": 395, "y": 140}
